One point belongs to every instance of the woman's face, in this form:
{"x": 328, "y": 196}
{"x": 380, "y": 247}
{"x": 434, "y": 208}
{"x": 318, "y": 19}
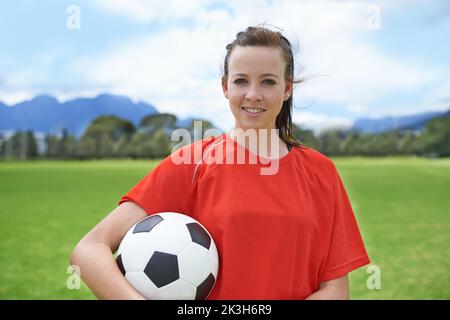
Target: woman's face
{"x": 256, "y": 84}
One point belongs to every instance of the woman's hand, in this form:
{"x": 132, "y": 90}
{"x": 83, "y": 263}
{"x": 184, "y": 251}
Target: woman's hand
{"x": 93, "y": 255}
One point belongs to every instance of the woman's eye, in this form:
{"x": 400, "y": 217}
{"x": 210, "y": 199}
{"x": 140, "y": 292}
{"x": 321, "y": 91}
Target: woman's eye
{"x": 268, "y": 81}
{"x": 271, "y": 82}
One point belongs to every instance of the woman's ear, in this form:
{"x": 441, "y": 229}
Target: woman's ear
{"x": 225, "y": 86}
{"x": 288, "y": 90}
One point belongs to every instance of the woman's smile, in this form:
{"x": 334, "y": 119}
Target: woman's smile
{"x": 253, "y": 112}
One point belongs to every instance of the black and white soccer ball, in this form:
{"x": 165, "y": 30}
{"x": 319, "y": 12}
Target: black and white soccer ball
{"x": 169, "y": 256}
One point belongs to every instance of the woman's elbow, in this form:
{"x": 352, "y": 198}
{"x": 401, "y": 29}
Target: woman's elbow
{"x": 74, "y": 255}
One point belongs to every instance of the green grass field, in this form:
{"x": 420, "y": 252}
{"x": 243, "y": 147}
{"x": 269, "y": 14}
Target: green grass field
{"x": 402, "y": 206}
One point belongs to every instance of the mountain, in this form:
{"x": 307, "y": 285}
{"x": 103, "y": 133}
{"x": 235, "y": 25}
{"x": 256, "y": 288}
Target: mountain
{"x": 46, "y": 114}
{"x": 414, "y": 122}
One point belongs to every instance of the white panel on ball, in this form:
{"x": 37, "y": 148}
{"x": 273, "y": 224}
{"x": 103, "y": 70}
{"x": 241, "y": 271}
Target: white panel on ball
{"x": 142, "y": 284}
{"x": 137, "y": 249}
{"x": 178, "y": 290}
{"x": 194, "y": 264}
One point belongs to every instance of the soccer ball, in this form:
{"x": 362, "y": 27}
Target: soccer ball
{"x": 169, "y": 256}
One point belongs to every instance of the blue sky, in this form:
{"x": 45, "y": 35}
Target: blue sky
{"x": 170, "y": 54}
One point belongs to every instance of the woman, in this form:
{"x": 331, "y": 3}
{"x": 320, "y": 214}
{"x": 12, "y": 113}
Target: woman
{"x": 287, "y": 234}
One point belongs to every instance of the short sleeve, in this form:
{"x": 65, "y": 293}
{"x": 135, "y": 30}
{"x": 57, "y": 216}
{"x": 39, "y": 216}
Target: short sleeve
{"x": 346, "y": 249}
{"x": 165, "y": 189}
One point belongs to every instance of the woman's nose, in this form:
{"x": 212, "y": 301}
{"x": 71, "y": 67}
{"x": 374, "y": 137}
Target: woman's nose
{"x": 253, "y": 94}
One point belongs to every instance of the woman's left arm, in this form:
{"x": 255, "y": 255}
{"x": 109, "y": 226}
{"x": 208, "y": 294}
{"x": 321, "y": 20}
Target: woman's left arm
{"x": 335, "y": 289}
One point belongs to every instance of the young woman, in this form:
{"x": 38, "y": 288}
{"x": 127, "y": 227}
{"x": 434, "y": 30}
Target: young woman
{"x": 288, "y": 234}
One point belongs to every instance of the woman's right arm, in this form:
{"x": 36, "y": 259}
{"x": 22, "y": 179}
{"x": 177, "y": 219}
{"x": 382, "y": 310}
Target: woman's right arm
{"x": 93, "y": 255}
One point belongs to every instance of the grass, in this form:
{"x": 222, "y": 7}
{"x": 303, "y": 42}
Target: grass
{"x": 402, "y": 207}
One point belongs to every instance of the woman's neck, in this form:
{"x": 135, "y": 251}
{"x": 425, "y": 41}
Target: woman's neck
{"x": 264, "y": 142}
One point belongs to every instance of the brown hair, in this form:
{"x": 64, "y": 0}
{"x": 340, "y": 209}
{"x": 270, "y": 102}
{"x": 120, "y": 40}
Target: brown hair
{"x": 260, "y": 36}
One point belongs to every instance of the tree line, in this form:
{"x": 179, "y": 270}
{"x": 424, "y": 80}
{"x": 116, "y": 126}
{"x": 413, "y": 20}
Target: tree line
{"x": 112, "y": 137}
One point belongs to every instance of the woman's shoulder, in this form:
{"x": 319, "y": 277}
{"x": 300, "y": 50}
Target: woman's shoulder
{"x": 313, "y": 159}
{"x": 192, "y": 153}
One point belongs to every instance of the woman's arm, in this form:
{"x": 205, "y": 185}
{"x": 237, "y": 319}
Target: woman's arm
{"x": 335, "y": 289}
{"x": 93, "y": 255}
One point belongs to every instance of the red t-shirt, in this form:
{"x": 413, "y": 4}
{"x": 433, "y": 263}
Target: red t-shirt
{"x": 278, "y": 235}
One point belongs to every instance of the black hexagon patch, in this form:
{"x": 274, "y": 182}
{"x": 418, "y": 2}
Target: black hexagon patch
{"x": 162, "y": 268}
{"x": 199, "y": 235}
{"x": 205, "y": 287}
{"x": 120, "y": 264}
{"x": 147, "y": 224}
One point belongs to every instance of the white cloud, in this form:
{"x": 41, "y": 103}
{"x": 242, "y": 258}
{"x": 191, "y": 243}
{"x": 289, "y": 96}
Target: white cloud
{"x": 335, "y": 43}
{"x": 174, "y": 70}
{"x": 358, "y": 108}
{"x": 178, "y": 68}
{"x": 12, "y": 97}
{"x": 441, "y": 93}
{"x": 321, "y": 122}
{"x": 146, "y": 11}
{"x": 22, "y": 80}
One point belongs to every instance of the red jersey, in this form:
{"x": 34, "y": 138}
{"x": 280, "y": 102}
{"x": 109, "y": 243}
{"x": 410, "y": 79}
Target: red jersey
{"x": 278, "y": 235}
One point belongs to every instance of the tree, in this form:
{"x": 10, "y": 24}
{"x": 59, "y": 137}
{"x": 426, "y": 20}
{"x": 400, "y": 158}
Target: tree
{"x": 305, "y": 136}
{"x": 140, "y": 146}
{"x": 22, "y": 144}
{"x": 351, "y": 143}
{"x": 435, "y": 139}
{"x": 52, "y": 144}
{"x": 104, "y": 137}
{"x": 64, "y": 147}
{"x": 67, "y": 145}
{"x": 154, "y": 122}
{"x": 330, "y": 142}
{"x": 409, "y": 143}
{"x": 161, "y": 144}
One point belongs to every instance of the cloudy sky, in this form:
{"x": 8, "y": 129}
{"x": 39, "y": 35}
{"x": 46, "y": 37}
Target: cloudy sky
{"x": 368, "y": 58}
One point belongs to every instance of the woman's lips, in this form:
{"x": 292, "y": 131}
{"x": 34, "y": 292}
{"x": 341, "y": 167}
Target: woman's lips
{"x": 250, "y": 114}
